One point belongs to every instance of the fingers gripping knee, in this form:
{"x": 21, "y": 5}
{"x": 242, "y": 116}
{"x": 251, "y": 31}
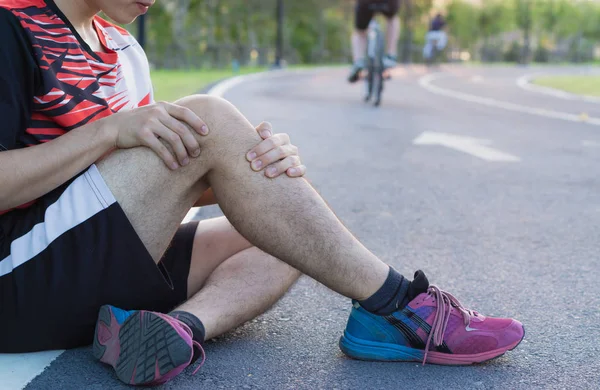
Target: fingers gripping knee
{"x": 228, "y": 128}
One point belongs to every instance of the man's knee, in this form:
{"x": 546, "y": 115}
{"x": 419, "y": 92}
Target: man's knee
{"x": 205, "y": 103}
{"x": 219, "y": 114}
{"x": 229, "y": 130}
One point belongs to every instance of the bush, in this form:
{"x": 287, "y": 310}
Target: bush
{"x": 541, "y": 54}
{"x": 513, "y": 54}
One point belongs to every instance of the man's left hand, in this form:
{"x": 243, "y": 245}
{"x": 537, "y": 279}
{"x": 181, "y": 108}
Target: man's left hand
{"x": 275, "y": 154}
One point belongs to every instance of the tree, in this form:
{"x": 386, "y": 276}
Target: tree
{"x": 413, "y": 15}
{"x": 460, "y": 21}
{"x": 525, "y": 22}
{"x": 494, "y": 18}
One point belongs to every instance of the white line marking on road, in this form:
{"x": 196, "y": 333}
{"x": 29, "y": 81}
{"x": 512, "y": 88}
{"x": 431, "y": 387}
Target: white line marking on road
{"x": 224, "y": 86}
{"x": 17, "y": 370}
{"x": 590, "y": 144}
{"x": 473, "y": 146}
{"x": 426, "y": 82}
{"x": 191, "y": 214}
{"x": 525, "y": 82}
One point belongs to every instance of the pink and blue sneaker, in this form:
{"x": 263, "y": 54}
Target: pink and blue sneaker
{"x": 144, "y": 347}
{"x": 434, "y": 327}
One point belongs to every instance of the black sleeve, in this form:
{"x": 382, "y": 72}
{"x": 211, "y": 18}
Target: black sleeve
{"x": 18, "y": 71}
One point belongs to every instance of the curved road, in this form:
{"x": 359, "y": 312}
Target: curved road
{"x": 512, "y": 238}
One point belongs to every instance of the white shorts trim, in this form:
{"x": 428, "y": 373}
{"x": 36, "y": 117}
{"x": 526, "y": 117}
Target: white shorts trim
{"x": 86, "y": 196}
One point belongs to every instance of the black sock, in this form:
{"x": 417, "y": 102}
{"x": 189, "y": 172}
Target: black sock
{"x": 395, "y": 293}
{"x": 198, "y": 332}
{"x": 197, "y": 327}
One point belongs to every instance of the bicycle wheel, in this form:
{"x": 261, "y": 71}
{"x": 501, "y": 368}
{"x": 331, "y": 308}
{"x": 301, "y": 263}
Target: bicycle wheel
{"x": 377, "y": 86}
{"x": 369, "y": 80}
{"x": 434, "y": 54}
{"x": 378, "y": 69}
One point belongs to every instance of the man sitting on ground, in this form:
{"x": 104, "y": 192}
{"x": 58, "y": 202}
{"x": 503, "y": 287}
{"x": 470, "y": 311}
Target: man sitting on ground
{"x": 96, "y": 179}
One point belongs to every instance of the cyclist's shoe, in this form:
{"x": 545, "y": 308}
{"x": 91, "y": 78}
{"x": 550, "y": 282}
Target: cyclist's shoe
{"x": 433, "y": 328}
{"x": 144, "y": 347}
{"x": 357, "y": 67}
{"x": 390, "y": 61}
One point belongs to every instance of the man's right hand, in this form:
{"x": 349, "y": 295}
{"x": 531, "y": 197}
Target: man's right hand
{"x": 145, "y": 125}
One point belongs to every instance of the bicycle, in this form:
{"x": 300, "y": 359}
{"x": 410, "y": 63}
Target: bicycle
{"x": 434, "y": 40}
{"x": 432, "y": 59}
{"x": 375, "y": 68}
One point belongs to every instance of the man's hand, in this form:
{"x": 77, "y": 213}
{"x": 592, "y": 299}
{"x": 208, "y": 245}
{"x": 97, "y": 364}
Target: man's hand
{"x": 276, "y": 154}
{"x": 172, "y": 123}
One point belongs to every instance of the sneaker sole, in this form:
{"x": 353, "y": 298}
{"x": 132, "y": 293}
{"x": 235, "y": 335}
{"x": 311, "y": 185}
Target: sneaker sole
{"x": 142, "y": 349}
{"x": 374, "y": 351}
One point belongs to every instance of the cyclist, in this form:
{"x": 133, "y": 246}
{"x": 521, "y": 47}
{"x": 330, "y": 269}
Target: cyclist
{"x": 364, "y": 12}
{"x": 436, "y": 35}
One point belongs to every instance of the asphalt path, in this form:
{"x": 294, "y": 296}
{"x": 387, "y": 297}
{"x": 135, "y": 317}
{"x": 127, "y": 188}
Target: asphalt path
{"x": 517, "y": 239}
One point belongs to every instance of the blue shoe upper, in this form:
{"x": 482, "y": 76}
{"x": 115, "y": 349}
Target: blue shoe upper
{"x": 398, "y": 328}
{"x": 371, "y": 327}
{"x": 121, "y": 315}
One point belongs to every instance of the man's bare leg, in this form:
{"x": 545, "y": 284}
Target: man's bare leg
{"x": 230, "y": 281}
{"x": 283, "y": 217}
{"x": 392, "y": 36}
{"x": 359, "y": 45}
{"x": 240, "y": 289}
{"x": 359, "y": 48}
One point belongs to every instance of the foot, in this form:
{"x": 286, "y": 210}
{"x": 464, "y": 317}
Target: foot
{"x": 434, "y": 327}
{"x": 357, "y": 67}
{"x": 390, "y": 61}
{"x": 144, "y": 347}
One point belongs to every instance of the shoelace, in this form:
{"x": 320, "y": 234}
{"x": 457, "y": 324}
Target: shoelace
{"x": 197, "y": 345}
{"x": 444, "y": 303}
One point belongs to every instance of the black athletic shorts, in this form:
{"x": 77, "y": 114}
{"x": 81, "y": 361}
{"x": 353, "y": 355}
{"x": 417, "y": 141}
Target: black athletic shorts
{"x": 72, "y": 252}
{"x": 364, "y": 13}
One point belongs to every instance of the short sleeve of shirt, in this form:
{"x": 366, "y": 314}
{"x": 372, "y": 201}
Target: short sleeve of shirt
{"x": 18, "y": 71}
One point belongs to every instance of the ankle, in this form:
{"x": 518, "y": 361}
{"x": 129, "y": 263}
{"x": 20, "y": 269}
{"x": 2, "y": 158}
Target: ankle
{"x": 396, "y": 293}
{"x": 193, "y": 322}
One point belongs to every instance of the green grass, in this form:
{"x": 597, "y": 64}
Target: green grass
{"x": 170, "y": 85}
{"x": 582, "y": 85}
{"x": 532, "y": 64}
{"x": 312, "y": 66}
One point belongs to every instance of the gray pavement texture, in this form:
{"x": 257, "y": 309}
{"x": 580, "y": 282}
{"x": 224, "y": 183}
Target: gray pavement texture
{"x": 508, "y": 239}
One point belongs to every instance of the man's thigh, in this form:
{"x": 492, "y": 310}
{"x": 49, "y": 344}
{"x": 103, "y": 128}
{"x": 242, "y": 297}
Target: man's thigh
{"x": 154, "y": 198}
{"x": 362, "y": 15}
{"x": 392, "y": 8}
{"x": 63, "y": 258}
{"x": 364, "y": 11}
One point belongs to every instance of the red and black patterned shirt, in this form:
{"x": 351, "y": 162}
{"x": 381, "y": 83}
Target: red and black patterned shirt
{"x": 50, "y": 79}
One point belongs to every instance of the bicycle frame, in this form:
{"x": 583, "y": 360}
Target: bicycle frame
{"x": 375, "y": 52}
{"x": 373, "y": 34}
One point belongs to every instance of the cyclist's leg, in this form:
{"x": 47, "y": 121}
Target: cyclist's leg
{"x": 428, "y": 46}
{"x": 392, "y": 33}
{"x": 442, "y": 40}
{"x": 363, "y": 16}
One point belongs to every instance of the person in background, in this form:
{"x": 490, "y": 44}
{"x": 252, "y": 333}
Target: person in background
{"x": 365, "y": 11}
{"x": 436, "y": 37}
